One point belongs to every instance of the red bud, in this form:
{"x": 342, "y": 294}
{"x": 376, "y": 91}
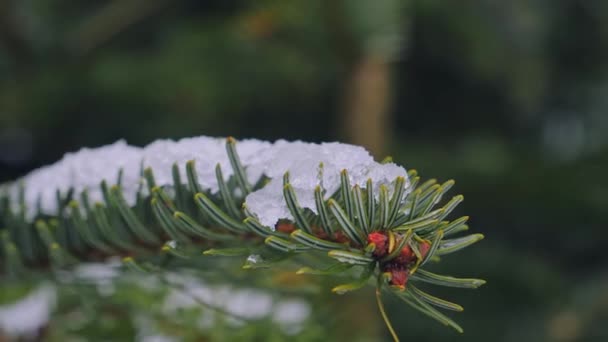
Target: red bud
{"x": 406, "y": 256}
{"x": 424, "y": 248}
{"x": 378, "y": 239}
{"x": 285, "y": 227}
{"x": 399, "y": 277}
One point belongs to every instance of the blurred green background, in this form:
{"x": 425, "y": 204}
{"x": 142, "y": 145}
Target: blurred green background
{"x": 510, "y": 98}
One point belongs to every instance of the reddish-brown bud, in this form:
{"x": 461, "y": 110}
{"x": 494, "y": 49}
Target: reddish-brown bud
{"x": 380, "y": 240}
{"x": 424, "y": 248}
{"x": 320, "y": 233}
{"x": 285, "y": 227}
{"x": 406, "y": 256}
{"x": 340, "y": 237}
{"x": 399, "y": 277}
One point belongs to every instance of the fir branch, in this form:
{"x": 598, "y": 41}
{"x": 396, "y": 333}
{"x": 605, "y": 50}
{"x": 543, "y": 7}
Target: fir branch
{"x": 389, "y": 227}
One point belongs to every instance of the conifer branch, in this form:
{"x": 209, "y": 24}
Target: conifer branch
{"x": 391, "y": 232}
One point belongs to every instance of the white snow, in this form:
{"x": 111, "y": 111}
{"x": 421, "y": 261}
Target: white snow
{"x": 207, "y": 153}
{"x": 82, "y": 170}
{"x": 89, "y": 167}
{"x": 302, "y": 160}
{"x": 29, "y": 314}
{"x": 247, "y": 303}
{"x": 85, "y": 169}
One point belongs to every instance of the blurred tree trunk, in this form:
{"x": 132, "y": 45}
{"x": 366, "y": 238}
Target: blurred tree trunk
{"x": 365, "y": 116}
{"x": 367, "y": 37}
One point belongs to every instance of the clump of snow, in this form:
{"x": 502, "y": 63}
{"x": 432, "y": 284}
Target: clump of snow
{"x": 42, "y": 184}
{"x": 29, "y": 314}
{"x": 207, "y": 152}
{"x": 302, "y": 160}
{"x": 82, "y": 170}
{"x": 90, "y": 166}
{"x": 85, "y": 169}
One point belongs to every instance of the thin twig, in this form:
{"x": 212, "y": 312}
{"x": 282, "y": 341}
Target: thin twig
{"x": 384, "y": 315}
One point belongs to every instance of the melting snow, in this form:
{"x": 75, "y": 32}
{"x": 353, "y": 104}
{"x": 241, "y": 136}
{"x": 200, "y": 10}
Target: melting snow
{"x": 85, "y": 169}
